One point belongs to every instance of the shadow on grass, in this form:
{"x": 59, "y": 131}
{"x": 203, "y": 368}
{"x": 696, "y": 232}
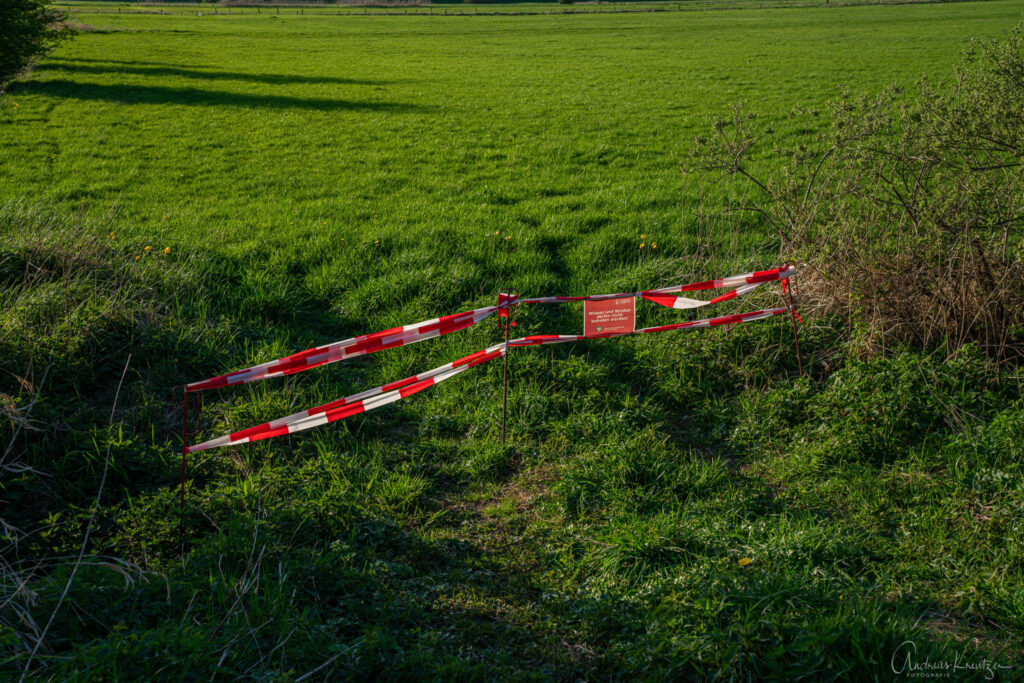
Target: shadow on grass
{"x": 144, "y": 94}
{"x": 163, "y": 70}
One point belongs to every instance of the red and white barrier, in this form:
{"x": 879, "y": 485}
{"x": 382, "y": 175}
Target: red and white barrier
{"x": 348, "y": 348}
{"x": 389, "y": 393}
{"x": 353, "y": 405}
{"x": 428, "y": 329}
{"x": 541, "y": 339}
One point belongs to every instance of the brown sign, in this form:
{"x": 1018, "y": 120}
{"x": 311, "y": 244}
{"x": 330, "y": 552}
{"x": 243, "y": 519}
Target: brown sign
{"x": 609, "y": 316}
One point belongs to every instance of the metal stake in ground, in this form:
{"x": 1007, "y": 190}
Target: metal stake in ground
{"x": 184, "y": 443}
{"x": 504, "y": 393}
{"x": 792, "y": 318}
{"x": 509, "y": 295}
{"x": 185, "y": 433}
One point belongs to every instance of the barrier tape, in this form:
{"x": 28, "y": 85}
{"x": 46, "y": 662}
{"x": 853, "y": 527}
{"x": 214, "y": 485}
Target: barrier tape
{"x": 353, "y": 405}
{"x": 389, "y": 393}
{"x": 348, "y": 348}
{"x": 743, "y": 284}
{"x": 429, "y": 329}
{"x": 540, "y": 339}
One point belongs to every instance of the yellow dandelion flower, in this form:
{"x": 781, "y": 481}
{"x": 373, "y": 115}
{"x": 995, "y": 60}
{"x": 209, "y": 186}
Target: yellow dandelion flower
{"x": 137, "y": 258}
{"x": 643, "y": 236}
{"x": 654, "y": 245}
{"x": 110, "y": 236}
{"x": 147, "y": 248}
{"x": 376, "y": 241}
{"x": 508, "y": 237}
{"x": 167, "y": 250}
{"x": 743, "y": 561}
{"x": 641, "y": 245}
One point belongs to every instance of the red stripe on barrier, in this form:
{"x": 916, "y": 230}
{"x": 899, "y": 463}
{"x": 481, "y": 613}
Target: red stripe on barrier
{"x": 378, "y": 335}
{"x": 336, "y": 403}
{"x": 536, "y": 339}
{"x": 212, "y": 383}
{"x": 279, "y": 431}
{"x": 469, "y": 359}
{"x": 416, "y": 388}
{"x": 346, "y": 411}
{"x": 244, "y": 433}
{"x": 697, "y": 286}
{"x": 661, "y": 299}
{"x": 487, "y": 358}
{"x": 763, "y": 276}
{"x": 442, "y": 323}
{"x": 373, "y": 346}
{"x": 726, "y": 320}
{"x": 397, "y": 385}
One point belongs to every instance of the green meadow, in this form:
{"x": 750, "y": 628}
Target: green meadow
{"x": 186, "y": 194}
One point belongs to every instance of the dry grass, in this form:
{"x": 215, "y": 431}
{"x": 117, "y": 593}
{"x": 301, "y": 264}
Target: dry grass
{"x": 907, "y": 212}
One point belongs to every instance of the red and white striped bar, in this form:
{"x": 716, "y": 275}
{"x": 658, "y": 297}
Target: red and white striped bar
{"x": 429, "y": 329}
{"x": 395, "y": 391}
{"x": 756, "y": 277}
{"x": 743, "y": 284}
{"x": 542, "y": 339}
{"x": 353, "y": 405}
{"x": 350, "y": 348}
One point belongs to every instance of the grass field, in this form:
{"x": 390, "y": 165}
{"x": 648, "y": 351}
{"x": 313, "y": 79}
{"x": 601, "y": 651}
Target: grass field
{"x": 317, "y": 177}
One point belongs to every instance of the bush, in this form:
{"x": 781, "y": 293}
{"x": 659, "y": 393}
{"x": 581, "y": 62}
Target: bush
{"x": 909, "y": 211}
{"x": 28, "y": 29}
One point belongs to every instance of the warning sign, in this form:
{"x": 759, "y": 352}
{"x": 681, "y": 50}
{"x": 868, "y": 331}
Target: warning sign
{"x": 609, "y": 316}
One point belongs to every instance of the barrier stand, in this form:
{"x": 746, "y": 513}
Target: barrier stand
{"x": 185, "y": 433}
{"x": 184, "y": 445}
{"x": 506, "y": 298}
{"x": 793, "y": 317}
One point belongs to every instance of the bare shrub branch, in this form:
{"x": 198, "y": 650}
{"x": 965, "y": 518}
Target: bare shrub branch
{"x": 908, "y": 211}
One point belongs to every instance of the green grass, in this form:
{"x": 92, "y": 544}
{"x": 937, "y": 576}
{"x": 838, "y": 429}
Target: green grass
{"x": 316, "y": 177}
